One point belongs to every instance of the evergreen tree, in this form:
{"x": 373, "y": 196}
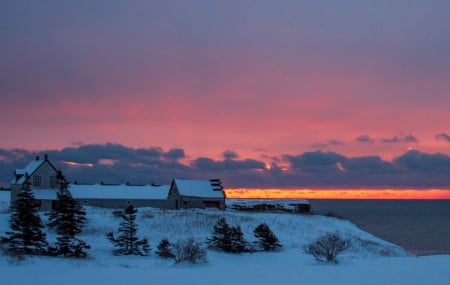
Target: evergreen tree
{"x": 221, "y": 237}
{"x": 68, "y": 218}
{"x": 127, "y": 241}
{"x": 266, "y": 238}
{"x": 226, "y": 238}
{"x": 238, "y": 244}
{"x": 26, "y": 235}
{"x": 164, "y": 249}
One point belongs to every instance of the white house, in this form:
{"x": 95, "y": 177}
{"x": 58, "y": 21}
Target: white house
{"x": 43, "y": 178}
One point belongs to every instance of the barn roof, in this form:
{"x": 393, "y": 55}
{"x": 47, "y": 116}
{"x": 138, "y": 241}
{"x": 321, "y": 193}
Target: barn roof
{"x": 199, "y": 188}
{"x": 122, "y": 191}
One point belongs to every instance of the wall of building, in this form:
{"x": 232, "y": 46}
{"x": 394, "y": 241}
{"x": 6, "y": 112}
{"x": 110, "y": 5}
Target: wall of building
{"x": 186, "y": 202}
{"x": 45, "y": 171}
{"x": 123, "y": 203}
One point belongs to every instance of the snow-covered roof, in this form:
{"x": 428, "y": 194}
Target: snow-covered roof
{"x": 21, "y": 180}
{"x": 30, "y": 169}
{"x": 123, "y": 191}
{"x": 199, "y": 188}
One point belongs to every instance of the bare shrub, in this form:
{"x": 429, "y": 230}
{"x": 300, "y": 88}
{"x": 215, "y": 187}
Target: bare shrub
{"x": 189, "y": 250}
{"x": 327, "y": 247}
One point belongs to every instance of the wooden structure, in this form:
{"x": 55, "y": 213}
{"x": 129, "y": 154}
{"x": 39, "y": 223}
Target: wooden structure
{"x": 194, "y": 193}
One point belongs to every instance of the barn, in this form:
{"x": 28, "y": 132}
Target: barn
{"x": 195, "y": 193}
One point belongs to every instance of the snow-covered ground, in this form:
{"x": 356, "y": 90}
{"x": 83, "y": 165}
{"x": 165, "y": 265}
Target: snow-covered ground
{"x": 370, "y": 260}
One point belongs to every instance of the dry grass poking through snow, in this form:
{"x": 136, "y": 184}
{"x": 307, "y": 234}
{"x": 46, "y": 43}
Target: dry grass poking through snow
{"x": 293, "y": 231}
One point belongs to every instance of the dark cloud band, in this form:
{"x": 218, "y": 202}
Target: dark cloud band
{"x": 115, "y": 163}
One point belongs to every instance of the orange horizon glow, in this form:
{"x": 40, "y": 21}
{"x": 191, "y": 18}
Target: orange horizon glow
{"x": 392, "y": 194}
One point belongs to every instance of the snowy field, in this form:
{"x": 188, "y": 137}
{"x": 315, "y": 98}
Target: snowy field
{"x": 370, "y": 260}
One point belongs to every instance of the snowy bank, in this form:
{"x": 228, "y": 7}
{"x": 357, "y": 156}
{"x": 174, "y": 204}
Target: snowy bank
{"x": 370, "y": 260}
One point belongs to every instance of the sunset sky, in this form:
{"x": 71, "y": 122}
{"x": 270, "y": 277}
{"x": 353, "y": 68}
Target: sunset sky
{"x": 265, "y": 85}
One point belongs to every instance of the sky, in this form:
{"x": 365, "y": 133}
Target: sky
{"x": 261, "y": 86}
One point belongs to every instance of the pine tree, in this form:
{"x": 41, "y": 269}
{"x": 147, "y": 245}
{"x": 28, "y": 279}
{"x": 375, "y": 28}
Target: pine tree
{"x": 238, "y": 244}
{"x": 221, "y": 237}
{"x": 164, "y": 249}
{"x": 26, "y": 235}
{"x": 226, "y": 238}
{"x": 68, "y": 218}
{"x": 266, "y": 238}
{"x": 127, "y": 241}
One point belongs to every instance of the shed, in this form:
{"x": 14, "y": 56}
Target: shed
{"x": 196, "y": 193}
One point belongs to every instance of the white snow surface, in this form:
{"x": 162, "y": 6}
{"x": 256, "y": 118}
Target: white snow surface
{"x": 370, "y": 260}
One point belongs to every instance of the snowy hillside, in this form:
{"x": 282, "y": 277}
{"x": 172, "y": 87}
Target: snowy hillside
{"x": 370, "y": 260}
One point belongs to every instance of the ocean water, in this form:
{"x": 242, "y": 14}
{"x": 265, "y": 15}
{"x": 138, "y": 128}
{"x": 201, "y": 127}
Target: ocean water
{"x": 420, "y": 226}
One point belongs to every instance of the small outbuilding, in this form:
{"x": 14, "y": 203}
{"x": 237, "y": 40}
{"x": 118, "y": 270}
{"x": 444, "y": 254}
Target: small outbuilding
{"x": 195, "y": 193}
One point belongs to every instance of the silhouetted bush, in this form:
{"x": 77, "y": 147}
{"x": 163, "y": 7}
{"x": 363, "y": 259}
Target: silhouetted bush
{"x": 189, "y": 250}
{"x": 327, "y": 247}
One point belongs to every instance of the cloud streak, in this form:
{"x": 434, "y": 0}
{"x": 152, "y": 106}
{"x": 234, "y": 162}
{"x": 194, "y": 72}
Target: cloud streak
{"x": 443, "y": 136}
{"x": 365, "y": 139}
{"x": 402, "y": 138}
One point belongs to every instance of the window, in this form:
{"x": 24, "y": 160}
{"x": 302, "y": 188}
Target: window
{"x": 36, "y": 181}
{"x": 52, "y": 181}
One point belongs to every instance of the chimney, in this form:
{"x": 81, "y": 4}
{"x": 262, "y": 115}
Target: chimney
{"x": 46, "y": 156}
{"x": 37, "y": 157}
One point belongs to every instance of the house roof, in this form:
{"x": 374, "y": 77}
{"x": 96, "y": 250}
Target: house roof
{"x": 30, "y": 169}
{"x": 20, "y": 173}
{"x": 98, "y": 191}
{"x": 199, "y": 188}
